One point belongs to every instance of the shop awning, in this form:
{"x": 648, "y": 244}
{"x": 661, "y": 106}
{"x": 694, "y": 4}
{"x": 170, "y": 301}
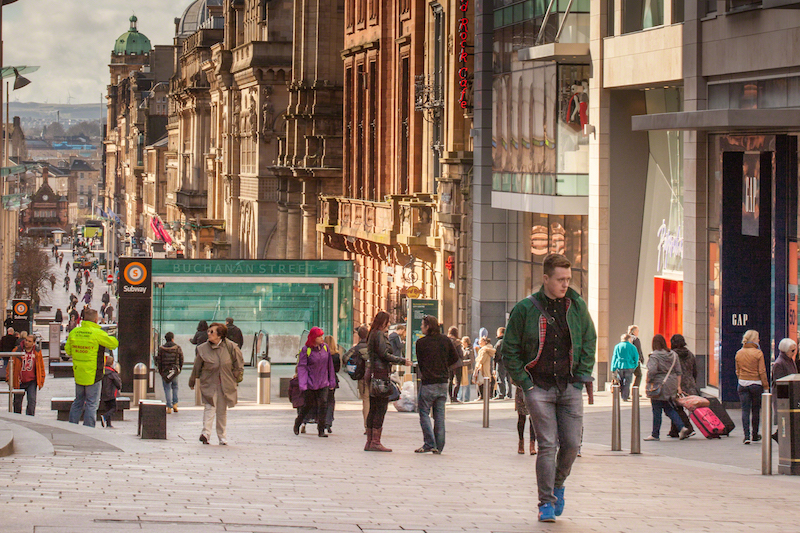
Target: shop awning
{"x": 558, "y": 52}
{"x": 720, "y": 120}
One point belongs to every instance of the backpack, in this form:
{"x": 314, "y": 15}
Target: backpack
{"x": 356, "y": 364}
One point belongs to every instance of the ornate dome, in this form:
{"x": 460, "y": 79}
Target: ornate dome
{"x": 197, "y": 16}
{"x": 132, "y": 42}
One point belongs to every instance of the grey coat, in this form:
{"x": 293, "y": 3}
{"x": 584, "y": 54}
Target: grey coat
{"x": 657, "y": 367}
{"x": 218, "y": 364}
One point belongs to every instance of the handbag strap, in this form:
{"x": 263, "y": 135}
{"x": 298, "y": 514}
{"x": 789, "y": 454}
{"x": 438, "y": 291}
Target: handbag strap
{"x": 538, "y": 305}
{"x": 674, "y": 359}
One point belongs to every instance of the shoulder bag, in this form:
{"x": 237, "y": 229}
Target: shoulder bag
{"x": 654, "y": 391}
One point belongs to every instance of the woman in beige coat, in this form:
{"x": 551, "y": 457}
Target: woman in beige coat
{"x": 483, "y": 366}
{"x": 752, "y": 373}
{"x": 219, "y": 367}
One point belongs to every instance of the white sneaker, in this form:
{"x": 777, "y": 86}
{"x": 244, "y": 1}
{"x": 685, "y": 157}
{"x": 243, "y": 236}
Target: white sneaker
{"x": 685, "y": 433}
{"x": 223, "y": 442}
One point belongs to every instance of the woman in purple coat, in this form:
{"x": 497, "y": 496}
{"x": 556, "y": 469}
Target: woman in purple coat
{"x": 316, "y": 376}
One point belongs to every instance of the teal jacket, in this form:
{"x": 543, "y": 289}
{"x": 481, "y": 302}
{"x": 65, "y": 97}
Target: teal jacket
{"x": 625, "y": 356}
{"x": 525, "y": 333}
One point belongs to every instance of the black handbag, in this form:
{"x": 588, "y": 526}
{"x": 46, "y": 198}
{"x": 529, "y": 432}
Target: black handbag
{"x": 381, "y": 388}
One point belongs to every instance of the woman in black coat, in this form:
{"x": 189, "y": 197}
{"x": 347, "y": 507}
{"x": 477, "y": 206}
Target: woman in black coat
{"x": 201, "y": 335}
{"x": 381, "y": 360}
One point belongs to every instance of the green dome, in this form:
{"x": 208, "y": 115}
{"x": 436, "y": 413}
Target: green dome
{"x": 132, "y": 42}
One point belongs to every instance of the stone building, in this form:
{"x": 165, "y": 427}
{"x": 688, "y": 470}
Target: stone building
{"x": 136, "y": 69}
{"x": 46, "y": 212}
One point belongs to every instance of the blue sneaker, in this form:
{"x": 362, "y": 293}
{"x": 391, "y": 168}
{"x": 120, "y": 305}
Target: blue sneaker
{"x": 547, "y": 513}
{"x": 558, "y": 492}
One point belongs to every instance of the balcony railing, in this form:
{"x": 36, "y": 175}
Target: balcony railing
{"x": 405, "y": 220}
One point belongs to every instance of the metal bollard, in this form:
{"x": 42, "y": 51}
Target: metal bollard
{"x": 264, "y": 371}
{"x": 11, "y": 384}
{"x": 616, "y": 434}
{"x": 139, "y": 383}
{"x": 486, "y": 385}
{"x": 766, "y": 439}
{"x": 636, "y": 441}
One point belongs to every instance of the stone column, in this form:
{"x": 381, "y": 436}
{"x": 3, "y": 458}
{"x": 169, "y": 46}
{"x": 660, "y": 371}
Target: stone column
{"x": 281, "y": 230}
{"x": 309, "y": 207}
{"x": 294, "y": 233}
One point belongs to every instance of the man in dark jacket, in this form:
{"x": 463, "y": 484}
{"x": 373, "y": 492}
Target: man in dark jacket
{"x": 169, "y": 361}
{"x": 503, "y": 380}
{"x": 396, "y": 340}
{"x": 234, "y": 333}
{"x": 8, "y": 341}
{"x": 551, "y": 355}
{"x": 435, "y": 355}
{"x": 454, "y": 376}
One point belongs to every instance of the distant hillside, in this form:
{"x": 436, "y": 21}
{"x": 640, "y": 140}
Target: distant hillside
{"x": 34, "y": 112}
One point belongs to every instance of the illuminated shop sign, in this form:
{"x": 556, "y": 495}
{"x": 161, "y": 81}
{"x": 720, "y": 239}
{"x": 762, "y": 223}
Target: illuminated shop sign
{"x": 463, "y": 37}
{"x": 670, "y": 247}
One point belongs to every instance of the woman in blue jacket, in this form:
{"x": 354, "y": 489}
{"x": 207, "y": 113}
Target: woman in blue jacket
{"x": 624, "y": 362}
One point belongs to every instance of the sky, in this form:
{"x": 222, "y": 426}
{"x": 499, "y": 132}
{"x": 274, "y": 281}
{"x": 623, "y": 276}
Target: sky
{"x": 71, "y": 41}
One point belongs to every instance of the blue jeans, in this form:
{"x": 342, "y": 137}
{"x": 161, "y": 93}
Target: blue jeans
{"x": 30, "y": 389}
{"x": 750, "y": 397}
{"x": 666, "y": 406}
{"x": 625, "y": 378}
{"x": 87, "y": 400}
{"x": 432, "y": 396}
{"x": 170, "y": 391}
{"x": 464, "y": 393}
{"x": 558, "y": 420}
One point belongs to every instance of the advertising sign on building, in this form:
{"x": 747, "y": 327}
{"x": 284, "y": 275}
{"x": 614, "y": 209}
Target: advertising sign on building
{"x": 417, "y": 310}
{"x": 22, "y": 315}
{"x": 134, "y": 279}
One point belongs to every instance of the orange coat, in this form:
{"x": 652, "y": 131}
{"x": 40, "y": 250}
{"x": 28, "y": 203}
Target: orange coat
{"x": 39, "y": 367}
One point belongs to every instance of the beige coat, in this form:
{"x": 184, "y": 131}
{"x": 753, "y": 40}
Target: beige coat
{"x": 214, "y": 364}
{"x": 750, "y": 365}
{"x": 483, "y": 363}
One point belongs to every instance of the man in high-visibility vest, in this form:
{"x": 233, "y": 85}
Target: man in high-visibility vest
{"x": 85, "y": 345}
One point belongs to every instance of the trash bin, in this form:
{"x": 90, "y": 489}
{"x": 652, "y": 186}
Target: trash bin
{"x": 788, "y": 398}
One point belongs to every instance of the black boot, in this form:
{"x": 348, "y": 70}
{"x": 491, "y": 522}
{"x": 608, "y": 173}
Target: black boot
{"x": 321, "y": 431}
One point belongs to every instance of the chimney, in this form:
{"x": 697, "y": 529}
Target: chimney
{"x": 45, "y": 172}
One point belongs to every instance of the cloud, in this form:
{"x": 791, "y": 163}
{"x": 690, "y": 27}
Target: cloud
{"x": 71, "y": 41}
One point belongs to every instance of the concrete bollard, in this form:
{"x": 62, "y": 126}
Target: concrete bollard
{"x": 766, "y": 439}
{"x": 139, "y": 383}
{"x": 264, "y": 381}
{"x": 487, "y": 382}
{"x": 636, "y": 441}
{"x": 616, "y": 435}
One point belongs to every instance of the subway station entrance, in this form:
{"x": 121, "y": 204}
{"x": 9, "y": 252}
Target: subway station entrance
{"x": 272, "y": 302}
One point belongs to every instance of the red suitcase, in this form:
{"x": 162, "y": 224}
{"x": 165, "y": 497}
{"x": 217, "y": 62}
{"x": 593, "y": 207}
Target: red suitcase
{"x": 707, "y": 422}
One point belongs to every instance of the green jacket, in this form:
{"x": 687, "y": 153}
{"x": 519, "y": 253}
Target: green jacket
{"x": 526, "y": 330}
{"x": 84, "y": 346}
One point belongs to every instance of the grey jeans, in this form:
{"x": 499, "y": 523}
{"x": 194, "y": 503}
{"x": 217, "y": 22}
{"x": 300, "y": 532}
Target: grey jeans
{"x": 558, "y": 419}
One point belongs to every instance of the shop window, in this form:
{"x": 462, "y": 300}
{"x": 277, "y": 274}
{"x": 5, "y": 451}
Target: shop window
{"x": 573, "y": 115}
{"x": 562, "y": 234}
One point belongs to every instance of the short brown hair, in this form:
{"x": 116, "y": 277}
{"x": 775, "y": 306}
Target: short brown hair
{"x": 222, "y": 330}
{"x": 453, "y": 331}
{"x": 554, "y": 261}
{"x": 659, "y": 342}
{"x": 433, "y": 324}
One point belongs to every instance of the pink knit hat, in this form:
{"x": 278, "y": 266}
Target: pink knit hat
{"x": 312, "y": 336}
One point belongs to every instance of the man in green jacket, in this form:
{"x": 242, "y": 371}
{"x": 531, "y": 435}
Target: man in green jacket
{"x": 551, "y": 355}
{"x": 85, "y": 345}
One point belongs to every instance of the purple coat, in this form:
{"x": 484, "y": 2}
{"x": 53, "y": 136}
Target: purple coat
{"x": 315, "y": 368}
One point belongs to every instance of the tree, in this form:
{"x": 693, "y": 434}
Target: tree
{"x": 32, "y": 270}
{"x": 54, "y": 130}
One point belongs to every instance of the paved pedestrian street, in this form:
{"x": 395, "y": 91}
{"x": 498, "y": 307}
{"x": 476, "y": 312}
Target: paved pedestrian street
{"x": 67, "y": 478}
{"x": 268, "y": 479}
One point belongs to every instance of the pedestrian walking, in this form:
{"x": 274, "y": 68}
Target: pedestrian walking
{"x": 112, "y": 384}
{"x": 363, "y": 384}
{"x": 633, "y": 331}
{"x": 28, "y": 374}
{"x": 483, "y": 367}
{"x": 501, "y": 374}
{"x": 105, "y": 298}
{"x": 8, "y": 341}
{"x": 86, "y": 274}
{"x": 52, "y": 281}
{"x": 381, "y": 360}
{"x": 752, "y": 374}
{"x": 110, "y": 314}
{"x": 60, "y": 258}
{"x": 218, "y": 369}
{"x": 468, "y": 362}
{"x": 522, "y": 415}
{"x": 435, "y": 355}
{"x": 169, "y": 361}
{"x": 454, "y": 372}
{"x": 549, "y": 350}
{"x": 66, "y": 269}
{"x": 336, "y": 357}
{"x": 784, "y": 366}
{"x": 688, "y": 381}
{"x": 87, "y": 297}
{"x": 66, "y": 283}
{"x": 200, "y": 336}
{"x": 623, "y": 362}
{"x": 234, "y": 333}
{"x": 316, "y": 378}
{"x": 84, "y": 346}
{"x": 663, "y": 385}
